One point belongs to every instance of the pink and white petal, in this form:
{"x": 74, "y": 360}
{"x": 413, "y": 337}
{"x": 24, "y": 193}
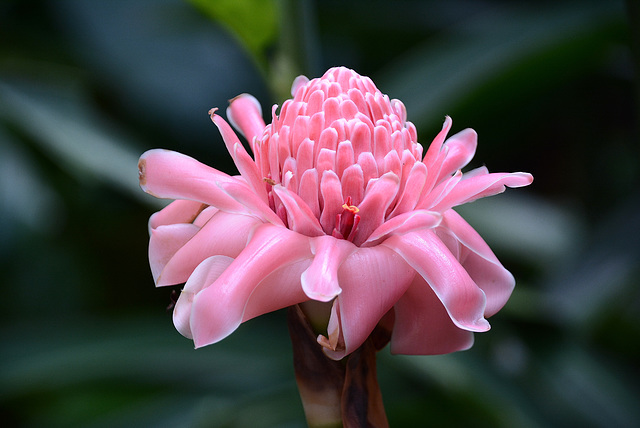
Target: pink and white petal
{"x": 480, "y": 186}
{"x": 205, "y": 216}
{"x": 164, "y": 243}
{"x": 278, "y": 290}
{"x": 464, "y": 301}
{"x": 178, "y": 211}
{"x": 172, "y": 175}
{"x": 436, "y": 144}
{"x": 373, "y": 208}
{"x": 245, "y": 114}
{"x": 461, "y": 148}
{"x": 219, "y": 309}
{"x": 332, "y": 200}
{"x": 422, "y": 325}
{"x": 243, "y": 161}
{"x": 224, "y": 234}
{"x": 249, "y": 202}
{"x": 308, "y": 191}
{"x": 404, "y": 223}
{"x": 372, "y": 280}
{"x": 300, "y": 217}
{"x": 479, "y": 261}
{"x": 204, "y": 275}
{"x": 320, "y": 280}
{"x": 414, "y": 184}
{"x": 440, "y": 192}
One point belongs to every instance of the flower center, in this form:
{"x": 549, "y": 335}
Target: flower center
{"x": 347, "y": 221}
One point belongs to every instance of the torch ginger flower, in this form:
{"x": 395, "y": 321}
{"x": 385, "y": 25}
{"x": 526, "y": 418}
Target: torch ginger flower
{"x": 337, "y": 205}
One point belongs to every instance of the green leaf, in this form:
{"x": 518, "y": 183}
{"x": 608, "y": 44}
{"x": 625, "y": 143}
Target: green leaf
{"x": 253, "y": 21}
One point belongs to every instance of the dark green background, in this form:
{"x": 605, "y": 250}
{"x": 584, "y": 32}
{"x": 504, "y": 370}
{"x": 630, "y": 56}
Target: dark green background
{"x": 87, "y": 86}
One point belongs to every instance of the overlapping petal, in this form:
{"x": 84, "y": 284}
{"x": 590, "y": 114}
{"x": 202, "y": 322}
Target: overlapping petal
{"x": 219, "y": 308}
{"x": 224, "y": 234}
{"x": 422, "y": 325}
{"x": 372, "y": 279}
{"x": 464, "y": 301}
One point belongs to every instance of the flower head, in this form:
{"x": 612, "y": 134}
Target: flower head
{"x": 337, "y": 205}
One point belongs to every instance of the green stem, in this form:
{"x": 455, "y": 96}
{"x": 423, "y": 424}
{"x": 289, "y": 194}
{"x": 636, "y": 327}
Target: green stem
{"x": 297, "y": 52}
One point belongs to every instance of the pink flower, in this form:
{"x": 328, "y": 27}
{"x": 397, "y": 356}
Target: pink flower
{"x": 337, "y": 205}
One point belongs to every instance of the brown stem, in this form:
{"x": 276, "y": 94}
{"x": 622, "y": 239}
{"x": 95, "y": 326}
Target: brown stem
{"x": 336, "y": 393}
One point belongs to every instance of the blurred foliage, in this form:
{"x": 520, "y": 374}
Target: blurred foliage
{"x": 85, "y": 87}
{"x": 253, "y": 21}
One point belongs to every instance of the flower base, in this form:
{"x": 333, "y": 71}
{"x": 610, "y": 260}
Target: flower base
{"x": 337, "y": 393}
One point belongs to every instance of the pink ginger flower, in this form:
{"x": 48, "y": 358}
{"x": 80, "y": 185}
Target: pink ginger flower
{"x": 337, "y": 205}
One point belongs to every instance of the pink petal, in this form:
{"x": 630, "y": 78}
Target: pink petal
{"x": 308, "y": 191}
{"x": 352, "y": 182}
{"x": 165, "y": 242}
{"x": 300, "y": 217}
{"x": 373, "y": 208}
{"x": 462, "y": 298}
{"x": 219, "y": 308}
{"x": 299, "y": 82}
{"x": 251, "y": 204}
{"x": 245, "y": 114}
{"x": 480, "y": 262}
{"x": 435, "y": 146}
{"x": 225, "y": 234}
{"x": 440, "y": 192}
{"x": 204, "y": 275}
{"x": 460, "y": 150}
{"x": 404, "y": 223}
{"x": 372, "y": 280}
{"x": 412, "y": 189}
{"x": 470, "y": 189}
{"x": 332, "y": 199}
{"x": 172, "y": 175}
{"x": 279, "y": 289}
{"x": 179, "y": 211}
{"x": 245, "y": 164}
{"x": 422, "y": 325}
{"x": 320, "y": 281}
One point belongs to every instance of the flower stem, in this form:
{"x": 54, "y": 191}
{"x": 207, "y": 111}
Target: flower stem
{"x": 335, "y": 393}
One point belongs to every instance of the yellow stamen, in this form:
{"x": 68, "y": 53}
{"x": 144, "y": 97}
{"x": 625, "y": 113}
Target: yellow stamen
{"x": 351, "y": 208}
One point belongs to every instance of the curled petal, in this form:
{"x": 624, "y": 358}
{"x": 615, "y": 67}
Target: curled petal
{"x": 462, "y": 298}
{"x": 245, "y": 114}
{"x": 480, "y": 186}
{"x": 300, "y": 217}
{"x": 220, "y": 308}
{"x": 404, "y": 223}
{"x": 412, "y": 189}
{"x": 376, "y": 201}
{"x": 245, "y": 164}
{"x": 422, "y": 325}
{"x": 435, "y": 146}
{"x": 224, "y": 234}
{"x": 179, "y": 211}
{"x": 165, "y": 242}
{"x": 479, "y": 261}
{"x": 172, "y": 175}
{"x": 251, "y": 204}
{"x": 460, "y": 150}
{"x": 320, "y": 281}
{"x": 372, "y": 280}
{"x": 204, "y": 275}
